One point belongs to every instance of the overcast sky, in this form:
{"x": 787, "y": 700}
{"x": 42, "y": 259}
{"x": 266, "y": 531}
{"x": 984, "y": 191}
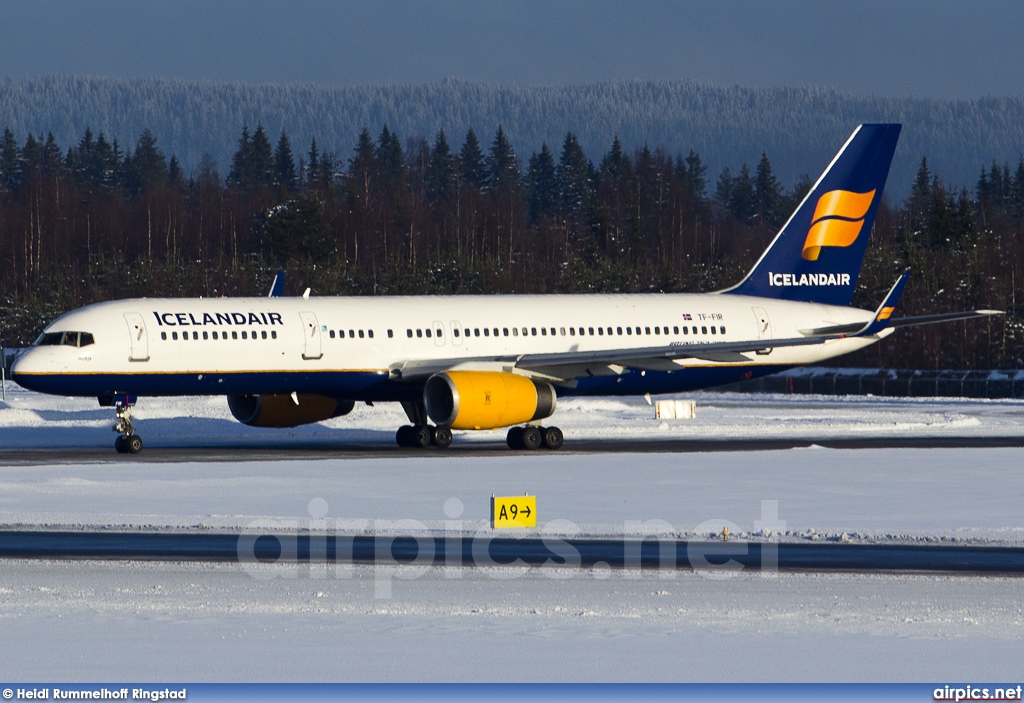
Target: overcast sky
{"x": 906, "y": 47}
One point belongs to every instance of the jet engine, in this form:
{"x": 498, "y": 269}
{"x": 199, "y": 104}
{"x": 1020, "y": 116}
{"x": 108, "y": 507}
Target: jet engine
{"x": 484, "y": 400}
{"x": 281, "y": 410}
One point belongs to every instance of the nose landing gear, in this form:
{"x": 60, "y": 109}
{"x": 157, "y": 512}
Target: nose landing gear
{"x": 127, "y": 441}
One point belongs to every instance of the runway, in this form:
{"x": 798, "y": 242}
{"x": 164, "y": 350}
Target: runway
{"x": 318, "y": 449}
{"x": 488, "y": 551}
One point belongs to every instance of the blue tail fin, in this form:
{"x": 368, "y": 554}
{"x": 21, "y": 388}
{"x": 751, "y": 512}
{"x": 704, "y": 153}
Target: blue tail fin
{"x": 817, "y": 255}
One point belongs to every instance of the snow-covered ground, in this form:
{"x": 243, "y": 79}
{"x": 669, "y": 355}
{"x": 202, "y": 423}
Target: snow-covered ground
{"x": 169, "y": 621}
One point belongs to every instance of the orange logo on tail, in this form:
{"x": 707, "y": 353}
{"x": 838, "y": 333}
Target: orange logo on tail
{"x": 837, "y": 221}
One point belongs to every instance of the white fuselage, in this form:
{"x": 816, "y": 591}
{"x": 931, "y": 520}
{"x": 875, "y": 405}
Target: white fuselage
{"x": 356, "y": 347}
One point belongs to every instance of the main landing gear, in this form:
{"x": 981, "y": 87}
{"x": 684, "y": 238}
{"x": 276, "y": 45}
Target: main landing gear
{"x": 421, "y": 436}
{"x": 127, "y": 441}
{"x": 531, "y": 437}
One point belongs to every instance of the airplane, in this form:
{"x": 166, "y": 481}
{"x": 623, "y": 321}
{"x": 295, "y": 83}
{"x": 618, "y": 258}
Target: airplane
{"x": 490, "y": 361}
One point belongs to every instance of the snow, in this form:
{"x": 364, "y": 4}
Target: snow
{"x": 90, "y": 621}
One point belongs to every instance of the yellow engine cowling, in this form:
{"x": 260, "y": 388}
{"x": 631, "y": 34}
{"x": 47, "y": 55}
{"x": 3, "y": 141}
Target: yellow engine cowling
{"x": 281, "y": 410}
{"x": 484, "y": 400}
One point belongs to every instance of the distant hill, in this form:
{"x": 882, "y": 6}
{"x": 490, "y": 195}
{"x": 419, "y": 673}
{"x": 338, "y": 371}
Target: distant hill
{"x": 799, "y": 128}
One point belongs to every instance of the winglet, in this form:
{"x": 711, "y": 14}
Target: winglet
{"x": 881, "y": 319}
{"x": 277, "y": 287}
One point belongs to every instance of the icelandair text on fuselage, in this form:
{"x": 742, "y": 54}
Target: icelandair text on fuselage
{"x": 808, "y": 279}
{"x": 188, "y": 319}
{"x": 93, "y": 694}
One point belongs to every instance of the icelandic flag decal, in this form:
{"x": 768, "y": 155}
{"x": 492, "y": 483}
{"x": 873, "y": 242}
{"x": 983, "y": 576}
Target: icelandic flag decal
{"x": 686, "y": 316}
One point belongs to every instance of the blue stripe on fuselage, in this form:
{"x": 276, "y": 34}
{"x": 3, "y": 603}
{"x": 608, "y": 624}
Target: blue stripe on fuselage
{"x": 364, "y": 385}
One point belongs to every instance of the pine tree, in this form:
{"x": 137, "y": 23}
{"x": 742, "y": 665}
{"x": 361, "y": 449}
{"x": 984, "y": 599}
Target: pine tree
{"x": 919, "y": 205}
{"x": 312, "y": 177}
{"x": 502, "y": 165}
{"x": 390, "y": 157}
{"x": 472, "y": 168}
{"x": 148, "y": 166}
{"x": 10, "y": 157}
{"x": 767, "y": 193}
{"x": 574, "y": 185}
{"x": 440, "y": 171}
{"x": 261, "y": 159}
{"x": 284, "y": 163}
{"x": 175, "y": 178}
{"x": 241, "y": 172}
{"x": 742, "y": 200}
{"x": 724, "y": 186}
{"x": 693, "y": 173}
{"x": 541, "y": 183}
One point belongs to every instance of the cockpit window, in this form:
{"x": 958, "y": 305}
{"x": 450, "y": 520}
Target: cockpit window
{"x": 68, "y": 339}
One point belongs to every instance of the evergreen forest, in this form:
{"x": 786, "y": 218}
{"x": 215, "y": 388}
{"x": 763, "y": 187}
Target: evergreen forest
{"x": 475, "y": 213}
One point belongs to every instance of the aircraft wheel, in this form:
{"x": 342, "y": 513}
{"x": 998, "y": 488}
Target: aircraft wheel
{"x": 420, "y": 436}
{"x": 133, "y": 444}
{"x": 552, "y": 437}
{"x": 531, "y": 438}
{"x": 514, "y": 439}
{"x": 441, "y": 437}
{"x": 119, "y": 444}
{"x": 403, "y": 436}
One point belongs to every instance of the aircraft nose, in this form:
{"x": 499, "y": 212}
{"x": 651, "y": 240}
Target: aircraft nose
{"x": 25, "y": 366}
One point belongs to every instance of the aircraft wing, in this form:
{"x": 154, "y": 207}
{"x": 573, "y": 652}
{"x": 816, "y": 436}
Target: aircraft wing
{"x": 911, "y": 321}
{"x": 571, "y": 364}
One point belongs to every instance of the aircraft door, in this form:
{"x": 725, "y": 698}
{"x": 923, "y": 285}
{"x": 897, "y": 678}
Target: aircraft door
{"x": 140, "y": 340}
{"x": 313, "y": 348}
{"x": 456, "y": 329}
{"x": 438, "y": 334}
{"x": 764, "y": 325}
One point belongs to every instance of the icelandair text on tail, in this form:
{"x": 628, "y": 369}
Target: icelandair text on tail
{"x": 808, "y": 279}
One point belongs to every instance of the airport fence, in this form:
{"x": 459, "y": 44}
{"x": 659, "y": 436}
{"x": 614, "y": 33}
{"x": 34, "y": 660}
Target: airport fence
{"x": 905, "y": 383}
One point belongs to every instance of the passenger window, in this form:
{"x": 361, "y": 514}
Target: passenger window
{"x": 572, "y": 331}
{"x": 544, "y": 331}
{"x": 600, "y": 330}
{"x": 721, "y": 329}
{"x": 361, "y": 334}
{"x": 408, "y": 333}
{"x": 332, "y": 334}
{"x": 487, "y": 332}
{"x": 391, "y": 334}
{"x": 476, "y": 331}
{"x": 206, "y": 335}
{"x": 351, "y": 334}
{"x": 515, "y": 331}
{"x": 163, "y": 335}
{"x": 647, "y": 330}
{"x": 263, "y": 334}
{"x": 664, "y": 330}
{"x": 533, "y": 331}
{"x": 703, "y": 330}
{"x": 214, "y": 333}
{"x": 561, "y": 331}
{"x": 618, "y": 330}
{"x": 657, "y": 330}
{"x": 713, "y": 330}
{"x": 174, "y": 336}
{"x": 455, "y": 331}
{"x": 525, "y": 332}
{"x": 427, "y": 332}
{"x": 591, "y": 331}
{"x": 419, "y": 333}
{"x": 686, "y": 330}
{"x": 504, "y": 331}
{"x": 369, "y": 333}
{"x": 629, "y": 330}
{"x": 675, "y": 330}
{"x": 273, "y": 334}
